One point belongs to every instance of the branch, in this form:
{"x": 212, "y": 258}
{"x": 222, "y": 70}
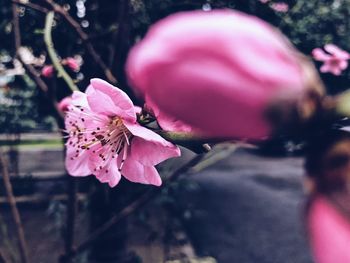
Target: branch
{"x": 15, "y": 213}
{"x": 132, "y": 207}
{"x": 29, "y": 68}
{"x": 32, "y": 6}
{"x": 52, "y": 53}
{"x": 84, "y": 37}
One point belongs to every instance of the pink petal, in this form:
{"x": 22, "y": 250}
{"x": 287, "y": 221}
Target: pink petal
{"x": 167, "y": 122}
{"x": 148, "y": 147}
{"x": 79, "y": 166}
{"x": 109, "y": 174}
{"x": 65, "y": 103}
{"x": 336, "y": 51}
{"x": 79, "y": 98}
{"x": 343, "y": 64}
{"x": 329, "y": 233}
{"x": 109, "y": 100}
{"x": 319, "y": 54}
{"x": 138, "y": 173}
{"x": 151, "y": 153}
{"x": 325, "y": 68}
{"x": 146, "y": 134}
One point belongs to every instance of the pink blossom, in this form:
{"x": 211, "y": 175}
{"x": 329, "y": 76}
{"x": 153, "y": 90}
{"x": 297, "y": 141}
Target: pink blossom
{"x": 335, "y": 61}
{"x": 47, "y": 71}
{"x": 264, "y": 1}
{"x": 280, "y": 7}
{"x": 105, "y": 140}
{"x": 329, "y": 232}
{"x": 215, "y": 71}
{"x": 72, "y": 63}
{"x": 64, "y": 103}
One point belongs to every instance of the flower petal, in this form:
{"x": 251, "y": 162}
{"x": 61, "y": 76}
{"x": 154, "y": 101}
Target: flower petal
{"x": 148, "y": 147}
{"x": 151, "y": 153}
{"x": 138, "y": 173}
{"x": 336, "y": 51}
{"x": 319, "y": 54}
{"x": 329, "y": 233}
{"x": 77, "y": 165}
{"x": 106, "y": 99}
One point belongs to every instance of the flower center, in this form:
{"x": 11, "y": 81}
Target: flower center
{"x": 104, "y": 138}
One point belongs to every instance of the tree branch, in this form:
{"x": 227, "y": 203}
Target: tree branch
{"x": 52, "y": 53}
{"x": 84, "y": 37}
{"x": 132, "y": 207}
{"x": 15, "y": 213}
{"x": 32, "y": 6}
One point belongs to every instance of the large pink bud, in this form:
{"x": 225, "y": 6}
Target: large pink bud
{"x": 217, "y": 71}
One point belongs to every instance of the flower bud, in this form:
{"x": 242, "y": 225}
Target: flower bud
{"x": 47, "y": 71}
{"x": 219, "y": 72}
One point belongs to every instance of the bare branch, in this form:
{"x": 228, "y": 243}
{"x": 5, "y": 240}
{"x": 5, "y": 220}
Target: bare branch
{"x": 84, "y": 37}
{"x": 15, "y": 213}
{"x": 31, "y": 5}
{"x": 129, "y": 209}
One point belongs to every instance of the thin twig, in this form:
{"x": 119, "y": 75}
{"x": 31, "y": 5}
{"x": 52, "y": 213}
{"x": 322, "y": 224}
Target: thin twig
{"x": 32, "y": 6}
{"x": 30, "y": 69}
{"x": 52, "y": 53}
{"x": 132, "y": 207}
{"x": 85, "y": 38}
{"x": 15, "y": 213}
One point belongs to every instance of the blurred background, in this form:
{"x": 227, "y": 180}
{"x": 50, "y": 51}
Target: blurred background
{"x": 260, "y": 217}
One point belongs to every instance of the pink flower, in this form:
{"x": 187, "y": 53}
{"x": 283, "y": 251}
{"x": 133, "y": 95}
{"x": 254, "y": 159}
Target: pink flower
{"x": 329, "y": 232}
{"x": 335, "y": 61}
{"x": 47, "y": 71}
{"x": 105, "y": 140}
{"x": 72, "y": 63}
{"x": 280, "y": 7}
{"x": 264, "y": 1}
{"x": 215, "y": 71}
{"x": 64, "y": 103}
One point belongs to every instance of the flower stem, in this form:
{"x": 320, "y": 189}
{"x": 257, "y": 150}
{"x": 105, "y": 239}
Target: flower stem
{"x": 52, "y": 53}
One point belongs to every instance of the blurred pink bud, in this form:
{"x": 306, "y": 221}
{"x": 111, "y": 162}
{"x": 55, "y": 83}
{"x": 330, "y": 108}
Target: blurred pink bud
{"x": 65, "y": 103}
{"x": 215, "y": 71}
{"x": 329, "y": 232}
{"x": 47, "y": 71}
{"x": 335, "y": 61}
{"x": 72, "y": 63}
{"x": 264, "y": 1}
{"x": 280, "y": 7}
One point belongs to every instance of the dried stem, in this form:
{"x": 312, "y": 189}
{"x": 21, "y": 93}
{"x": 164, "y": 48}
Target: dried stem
{"x": 15, "y": 213}
{"x": 52, "y": 53}
{"x": 84, "y": 37}
{"x": 31, "y": 5}
{"x": 132, "y": 207}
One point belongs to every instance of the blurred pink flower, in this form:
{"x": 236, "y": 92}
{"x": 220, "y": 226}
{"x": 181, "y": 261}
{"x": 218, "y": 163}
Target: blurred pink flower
{"x": 280, "y": 7}
{"x": 329, "y": 232}
{"x": 264, "y": 1}
{"x": 335, "y": 61}
{"x": 215, "y": 71}
{"x": 72, "y": 63}
{"x": 64, "y": 103}
{"x": 105, "y": 140}
{"x": 47, "y": 71}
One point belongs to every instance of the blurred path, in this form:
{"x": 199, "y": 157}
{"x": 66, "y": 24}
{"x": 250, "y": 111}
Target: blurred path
{"x": 247, "y": 209}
